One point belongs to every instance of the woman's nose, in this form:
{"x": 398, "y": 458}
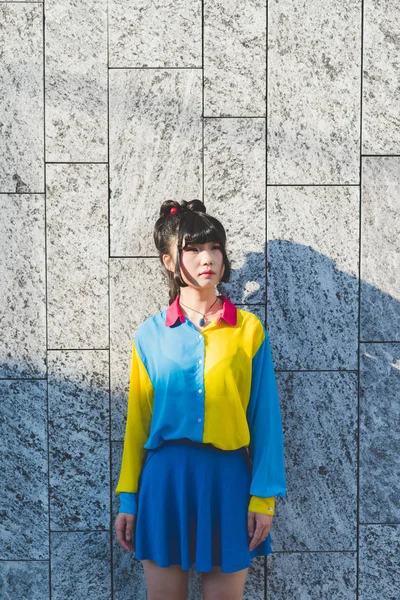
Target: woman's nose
{"x": 206, "y": 259}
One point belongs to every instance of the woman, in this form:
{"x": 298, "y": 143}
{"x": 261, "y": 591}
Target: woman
{"x": 203, "y": 449}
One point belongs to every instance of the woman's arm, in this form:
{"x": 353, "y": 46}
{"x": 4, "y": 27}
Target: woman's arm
{"x": 138, "y": 423}
{"x": 266, "y": 447}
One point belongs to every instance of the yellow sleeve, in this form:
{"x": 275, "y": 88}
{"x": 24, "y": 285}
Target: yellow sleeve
{"x": 262, "y": 505}
{"x": 138, "y": 422}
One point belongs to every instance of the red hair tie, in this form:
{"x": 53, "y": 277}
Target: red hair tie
{"x": 173, "y": 210}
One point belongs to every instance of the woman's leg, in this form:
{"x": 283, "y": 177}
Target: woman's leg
{"x": 223, "y": 586}
{"x": 165, "y": 583}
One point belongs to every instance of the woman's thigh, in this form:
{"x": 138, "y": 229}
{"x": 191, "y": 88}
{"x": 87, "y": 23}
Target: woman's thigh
{"x": 165, "y": 583}
{"x": 223, "y": 586}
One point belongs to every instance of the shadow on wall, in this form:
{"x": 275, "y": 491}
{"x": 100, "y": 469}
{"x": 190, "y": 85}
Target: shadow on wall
{"x": 56, "y": 454}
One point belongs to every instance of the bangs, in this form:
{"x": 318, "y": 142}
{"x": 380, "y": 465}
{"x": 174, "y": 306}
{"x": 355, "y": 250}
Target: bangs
{"x": 200, "y": 230}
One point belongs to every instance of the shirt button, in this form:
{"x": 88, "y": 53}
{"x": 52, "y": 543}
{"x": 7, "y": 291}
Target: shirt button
{"x": 200, "y": 336}
{"x": 199, "y": 391}
{"x": 199, "y": 420}
{"x": 200, "y": 361}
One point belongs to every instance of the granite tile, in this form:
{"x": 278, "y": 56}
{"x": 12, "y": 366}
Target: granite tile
{"x": 129, "y": 581}
{"x": 116, "y": 460}
{"x": 76, "y": 80}
{"x": 155, "y": 151}
{"x": 314, "y": 72}
{"x": 79, "y": 439}
{"x": 24, "y": 490}
{"x": 381, "y": 91}
{"x": 308, "y": 576}
{"x": 137, "y": 290}
{"x": 254, "y": 588}
{"x": 235, "y": 58}
{"x": 195, "y": 585}
{"x": 80, "y": 565}
{"x": 22, "y": 292}
{"x": 77, "y": 256}
{"x": 319, "y": 416}
{"x": 312, "y": 262}
{"x": 380, "y": 249}
{"x": 379, "y": 565}
{"x": 21, "y": 98}
{"x": 235, "y": 194}
{"x": 128, "y": 574}
{"x": 24, "y": 580}
{"x": 144, "y": 34}
{"x": 379, "y": 433}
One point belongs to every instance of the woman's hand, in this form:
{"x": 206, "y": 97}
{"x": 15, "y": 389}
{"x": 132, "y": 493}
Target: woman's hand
{"x": 124, "y": 525}
{"x": 258, "y": 524}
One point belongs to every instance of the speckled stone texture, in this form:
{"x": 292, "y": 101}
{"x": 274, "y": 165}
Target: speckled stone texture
{"x": 80, "y": 565}
{"x": 137, "y": 291}
{"x": 235, "y": 58}
{"x": 77, "y": 256}
{"x": 234, "y": 185}
{"x": 314, "y": 79}
{"x": 379, "y": 435}
{"x": 22, "y": 288}
{"x": 24, "y": 488}
{"x": 24, "y": 579}
{"x": 319, "y": 414}
{"x": 312, "y": 259}
{"x": 21, "y": 98}
{"x": 129, "y": 580}
{"x": 76, "y": 80}
{"x": 79, "y": 440}
{"x": 308, "y": 576}
{"x": 380, "y": 249}
{"x": 155, "y": 151}
{"x": 381, "y": 91}
{"x": 379, "y": 575}
{"x": 163, "y": 34}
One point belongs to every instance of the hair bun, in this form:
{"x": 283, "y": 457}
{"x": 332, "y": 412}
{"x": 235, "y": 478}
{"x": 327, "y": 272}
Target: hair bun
{"x": 184, "y": 207}
{"x": 196, "y": 205}
{"x": 166, "y": 207}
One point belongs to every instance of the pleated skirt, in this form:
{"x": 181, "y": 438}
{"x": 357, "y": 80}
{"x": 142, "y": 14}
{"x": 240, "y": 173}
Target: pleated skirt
{"x": 192, "y": 508}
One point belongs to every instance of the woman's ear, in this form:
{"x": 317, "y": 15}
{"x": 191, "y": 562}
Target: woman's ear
{"x": 167, "y": 260}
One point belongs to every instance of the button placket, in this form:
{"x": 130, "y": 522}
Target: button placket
{"x": 200, "y": 376}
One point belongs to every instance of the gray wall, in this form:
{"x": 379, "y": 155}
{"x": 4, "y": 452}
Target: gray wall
{"x": 106, "y": 110}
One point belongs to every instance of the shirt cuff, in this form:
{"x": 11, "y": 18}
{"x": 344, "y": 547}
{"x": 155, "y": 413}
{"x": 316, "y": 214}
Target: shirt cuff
{"x": 262, "y": 505}
{"x": 128, "y": 503}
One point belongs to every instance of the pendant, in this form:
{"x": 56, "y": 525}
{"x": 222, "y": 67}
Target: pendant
{"x": 201, "y": 322}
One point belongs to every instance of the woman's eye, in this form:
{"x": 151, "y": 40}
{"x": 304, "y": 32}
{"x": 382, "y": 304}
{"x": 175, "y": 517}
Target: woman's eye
{"x": 193, "y": 248}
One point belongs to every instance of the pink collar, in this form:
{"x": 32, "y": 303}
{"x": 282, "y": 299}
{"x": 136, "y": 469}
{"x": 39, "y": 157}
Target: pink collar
{"x": 174, "y": 312}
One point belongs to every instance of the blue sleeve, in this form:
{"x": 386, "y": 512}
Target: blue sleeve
{"x": 266, "y": 446}
{"x": 128, "y": 502}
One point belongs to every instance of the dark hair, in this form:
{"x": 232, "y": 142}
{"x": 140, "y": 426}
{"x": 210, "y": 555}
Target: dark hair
{"x": 191, "y": 223}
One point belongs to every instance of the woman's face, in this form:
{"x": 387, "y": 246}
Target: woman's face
{"x": 196, "y": 259}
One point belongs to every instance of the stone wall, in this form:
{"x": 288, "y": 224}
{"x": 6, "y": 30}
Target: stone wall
{"x": 106, "y": 110}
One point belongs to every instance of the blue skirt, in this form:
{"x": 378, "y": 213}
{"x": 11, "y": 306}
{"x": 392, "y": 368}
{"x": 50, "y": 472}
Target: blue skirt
{"x": 192, "y": 507}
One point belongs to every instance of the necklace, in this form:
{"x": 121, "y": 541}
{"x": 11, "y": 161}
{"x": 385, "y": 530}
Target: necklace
{"x": 202, "y": 320}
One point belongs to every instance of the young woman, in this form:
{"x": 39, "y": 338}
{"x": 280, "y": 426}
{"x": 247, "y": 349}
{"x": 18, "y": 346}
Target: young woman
{"x": 203, "y": 450}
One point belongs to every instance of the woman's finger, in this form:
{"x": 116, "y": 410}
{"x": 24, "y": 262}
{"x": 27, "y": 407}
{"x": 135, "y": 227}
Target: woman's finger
{"x": 257, "y": 536}
{"x": 124, "y": 529}
{"x": 263, "y": 525}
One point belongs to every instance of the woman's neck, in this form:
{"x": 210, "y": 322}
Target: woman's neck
{"x": 200, "y": 300}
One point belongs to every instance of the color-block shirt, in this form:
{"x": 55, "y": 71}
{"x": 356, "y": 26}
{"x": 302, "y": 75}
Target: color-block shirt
{"x": 213, "y": 386}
